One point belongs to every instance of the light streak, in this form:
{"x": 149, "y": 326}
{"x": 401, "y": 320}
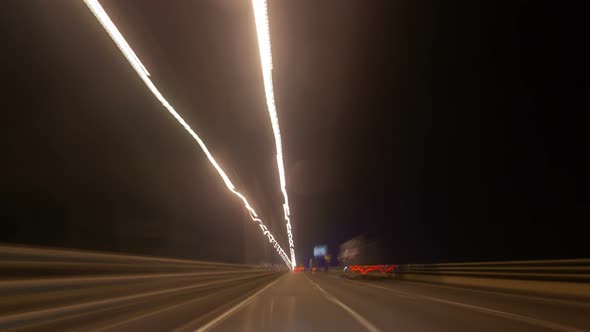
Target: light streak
{"x": 263, "y": 32}
{"x": 112, "y": 30}
{"x": 364, "y": 269}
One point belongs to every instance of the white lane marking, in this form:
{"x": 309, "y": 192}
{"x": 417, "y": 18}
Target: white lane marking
{"x": 235, "y": 308}
{"x": 519, "y": 296}
{"x": 525, "y": 319}
{"x": 364, "y": 322}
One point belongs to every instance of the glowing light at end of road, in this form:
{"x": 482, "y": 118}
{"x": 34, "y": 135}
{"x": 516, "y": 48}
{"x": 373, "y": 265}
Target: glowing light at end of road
{"x": 112, "y": 30}
{"x": 263, "y": 32}
{"x": 299, "y": 269}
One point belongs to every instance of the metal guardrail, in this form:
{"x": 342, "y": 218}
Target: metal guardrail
{"x": 567, "y": 278}
{"x": 574, "y": 270}
{"x": 56, "y": 290}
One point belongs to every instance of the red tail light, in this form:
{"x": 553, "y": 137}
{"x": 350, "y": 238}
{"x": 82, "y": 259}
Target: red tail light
{"x": 364, "y": 269}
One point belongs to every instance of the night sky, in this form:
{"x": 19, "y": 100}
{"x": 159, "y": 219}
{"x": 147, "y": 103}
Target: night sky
{"x": 447, "y": 130}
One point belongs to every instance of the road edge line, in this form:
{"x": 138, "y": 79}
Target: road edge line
{"x": 573, "y": 303}
{"x": 235, "y": 308}
{"x": 525, "y": 319}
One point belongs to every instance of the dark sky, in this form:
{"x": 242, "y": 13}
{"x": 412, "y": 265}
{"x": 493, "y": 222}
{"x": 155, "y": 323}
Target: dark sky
{"x": 447, "y": 130}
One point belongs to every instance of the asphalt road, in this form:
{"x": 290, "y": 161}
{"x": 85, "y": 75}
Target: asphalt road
{"x": 327, "y": 302}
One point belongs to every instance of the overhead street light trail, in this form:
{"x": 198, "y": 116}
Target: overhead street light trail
{"x": 112, "y": 30}
{"x": 263, "y": 32}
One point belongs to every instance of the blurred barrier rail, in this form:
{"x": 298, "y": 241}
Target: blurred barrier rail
{"x": 568, "y": 278}
{"x": 61, "y": 290}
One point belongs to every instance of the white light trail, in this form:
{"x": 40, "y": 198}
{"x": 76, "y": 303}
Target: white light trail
{"x": 263, "y": 32}
{"x": 112, "y": 30}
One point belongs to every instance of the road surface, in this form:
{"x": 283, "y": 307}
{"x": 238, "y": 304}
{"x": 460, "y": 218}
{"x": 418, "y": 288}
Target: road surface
{"x": 327, "y": 302}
